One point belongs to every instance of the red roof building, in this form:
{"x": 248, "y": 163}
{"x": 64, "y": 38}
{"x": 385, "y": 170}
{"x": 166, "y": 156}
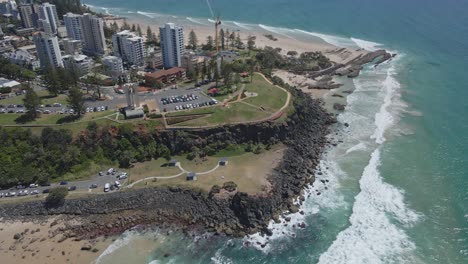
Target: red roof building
{"x": 165, "y": 76}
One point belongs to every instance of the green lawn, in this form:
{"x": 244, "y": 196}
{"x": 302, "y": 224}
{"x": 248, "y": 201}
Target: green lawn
{"x": 46, "y": 98}
{"x": 269, "y": 96}
{"x": 233, "y": 113}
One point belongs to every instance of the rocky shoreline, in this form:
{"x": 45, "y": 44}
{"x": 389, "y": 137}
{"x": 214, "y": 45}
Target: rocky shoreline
{"x": 237, "y": 214}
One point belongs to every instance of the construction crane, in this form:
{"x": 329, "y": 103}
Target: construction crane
{"x": 217, "y": 22}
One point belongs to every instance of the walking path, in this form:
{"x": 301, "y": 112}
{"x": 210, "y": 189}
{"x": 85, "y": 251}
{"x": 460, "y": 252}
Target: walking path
{"x": 183, "y": 171}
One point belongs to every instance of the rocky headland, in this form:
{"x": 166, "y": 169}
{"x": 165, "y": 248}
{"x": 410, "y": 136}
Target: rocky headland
{"x": 304, "y": 134}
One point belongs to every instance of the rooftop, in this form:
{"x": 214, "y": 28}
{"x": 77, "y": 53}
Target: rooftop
{"x": 161, "y": 73}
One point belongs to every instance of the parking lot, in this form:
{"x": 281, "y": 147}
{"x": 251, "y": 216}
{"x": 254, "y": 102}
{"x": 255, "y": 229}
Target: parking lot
{"x": 182, "y": 99}
{"x": 96, "y": 183}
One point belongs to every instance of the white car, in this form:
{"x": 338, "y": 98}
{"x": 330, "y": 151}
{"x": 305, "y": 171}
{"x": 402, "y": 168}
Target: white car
{"x": 106, "y": 187}
{"x": 33, "y": 185}
{"x": 34, "y": 192}
{"x": 117, "y": 184}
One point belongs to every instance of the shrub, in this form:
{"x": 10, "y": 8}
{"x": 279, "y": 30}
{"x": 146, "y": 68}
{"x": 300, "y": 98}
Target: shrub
{"x": 230, "y": 186}
{"x": 154, "y": 115}
{"x": 56, "y": 196}
{"x": 145, "y": 109}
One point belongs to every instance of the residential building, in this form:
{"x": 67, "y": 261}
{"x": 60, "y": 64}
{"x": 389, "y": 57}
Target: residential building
{"x": 27, "y": 15}
{"x": 165, "y": 76}
{"x": 190, "y": 61}
{"x": 112, "y": 65}
{"x": 89, "y": 29}
{"x": 9, "y": 7}
{"x": 48, "y": 50}
{"x": 172, "y": 45}
{"x": 23, "y": 58}
{"x": 71, "y": 46}
{"x": 79, "y": 64}
{"x": 130, "y": 47}
{"x": 154, "y": 60}
{"x": 48, "y": 18}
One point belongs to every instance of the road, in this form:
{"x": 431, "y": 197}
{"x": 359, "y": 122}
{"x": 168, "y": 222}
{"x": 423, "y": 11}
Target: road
{"x": 80, "y": 185}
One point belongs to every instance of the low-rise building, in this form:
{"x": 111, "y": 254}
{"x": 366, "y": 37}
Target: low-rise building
{"x": 80, "y": 64}
{"x": 71, "y": 46}
{"x": 23, "y": 58}
{"x": 190, "y": 61}
{"x": 154, "y": 60}
{"x": 165, "y": 76}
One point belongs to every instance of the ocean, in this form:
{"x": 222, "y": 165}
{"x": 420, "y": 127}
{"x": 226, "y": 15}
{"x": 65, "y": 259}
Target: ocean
{"x": 398, "y": 184}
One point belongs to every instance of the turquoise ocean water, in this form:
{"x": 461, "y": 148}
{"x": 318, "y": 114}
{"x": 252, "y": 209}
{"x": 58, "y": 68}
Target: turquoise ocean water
{"x": 398, "y": 190}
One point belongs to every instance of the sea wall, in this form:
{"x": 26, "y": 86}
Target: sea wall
{"x": 303, "y": 133}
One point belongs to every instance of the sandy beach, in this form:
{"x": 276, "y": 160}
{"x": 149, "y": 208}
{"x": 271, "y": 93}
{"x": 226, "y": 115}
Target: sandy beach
{"x": 42, "y": 242}
{"x": 335, "y": 54}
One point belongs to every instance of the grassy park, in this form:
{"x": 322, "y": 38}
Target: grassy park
{"x": 266, "y": 99}
{"x": 248, "y": 170}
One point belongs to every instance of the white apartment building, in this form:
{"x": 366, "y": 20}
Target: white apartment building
{"x": 130, "y": 47}
{"x": 48, "y": 18}
{"x": 48, "y": 50}
{"x": 172, "y": 45}
{"x": 27, "y": 15}
{"x": 89, "y": 29}
{"x": 80, "y": 64}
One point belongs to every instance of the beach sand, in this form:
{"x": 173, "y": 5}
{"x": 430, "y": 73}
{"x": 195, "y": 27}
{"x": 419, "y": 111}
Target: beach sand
{"x": 42, "y": 243}
{"x": 335, "y": 54}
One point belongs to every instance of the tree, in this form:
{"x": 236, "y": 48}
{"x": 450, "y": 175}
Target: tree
{"x": 237, "y": 79}
{"x": 197, "y": 73}
{"x": 149, "y": 34}
{"x": 209, "y": 43}
{"x": 292, "y": 53}
{"x": 52, "y": 82}
{"x": 193, "y": 40}
{"x": 31, "y": 102}
{"x": 134, "y": 28}
{"x": 56, "y": 196}
{"x": 222, "y": 37}
{"x": 251, "y": 42}
{"x": 76, "y": 100}
{"x": 226, "y": 72}
{"x": 238, "y": 41}
{"x": 216, "y": 73}
{"x": 232, "y": 39}
{"x": 125, "y": 25}
{"x": 139, "y": 30}
{"x": 204, "y": 70}
{"x": 227, "y": 37}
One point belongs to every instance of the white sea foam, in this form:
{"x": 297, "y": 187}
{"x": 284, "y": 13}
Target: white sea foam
{"x": 241, "y": 25}
{"x": 122, "y": 241}
{"x": 218, "y": 258}
{"x": 384, "y": 118}
{"x": 211, "y": 20}
{"x": 146, "y": 14}
{"x": 195, "y": 21}
{"x": 372, "y": 237}
{"x": 318, "y": 196}
{"x": 358, "y": 147}
{"x": 367, "y": 45}
{"x": 277, "y": 30}
{"x": 333, "y": 40}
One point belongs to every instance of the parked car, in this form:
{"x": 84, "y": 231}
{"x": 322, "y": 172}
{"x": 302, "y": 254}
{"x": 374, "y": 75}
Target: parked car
{"x": 72, "y": 188}
{"x": 10, "y": 194}
{"x": 106, "y": 187}
{"x": 45, "y": 184}
{"x": 45, "y": 191}
{"x": 63, "y": 183}
{"x": 101, "y": 173}
{"x": 33, "y": 185}
{"x": 117, "y": 184}
{"x": 122, "y": 176}
{"x": 93, "y": 186}
{"x": 34, "y": 192}
{"x": 1, "y": 195}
